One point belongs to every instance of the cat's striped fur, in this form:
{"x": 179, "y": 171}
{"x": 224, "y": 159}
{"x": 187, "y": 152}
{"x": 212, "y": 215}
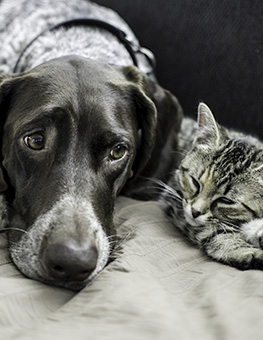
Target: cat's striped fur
{"x": 216, "y": 195}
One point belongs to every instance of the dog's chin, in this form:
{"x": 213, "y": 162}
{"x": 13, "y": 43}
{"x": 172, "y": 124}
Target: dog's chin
{"x": 74, "y": 286}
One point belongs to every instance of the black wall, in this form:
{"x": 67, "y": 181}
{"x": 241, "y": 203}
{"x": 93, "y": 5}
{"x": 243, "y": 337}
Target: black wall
{"x": 209, "y": 50}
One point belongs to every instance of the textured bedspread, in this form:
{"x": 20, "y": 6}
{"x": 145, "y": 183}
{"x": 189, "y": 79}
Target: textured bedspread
{"x": 159, "y": 287}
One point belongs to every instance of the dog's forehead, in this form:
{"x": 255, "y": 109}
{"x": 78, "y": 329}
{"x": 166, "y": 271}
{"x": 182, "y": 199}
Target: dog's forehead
{"x": 78, "y": 71}
{"x": 68, "y": 78}
{"x": 73, "y": 84}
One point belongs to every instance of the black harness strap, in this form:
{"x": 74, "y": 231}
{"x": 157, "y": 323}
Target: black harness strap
{"x": 130, "y": 46}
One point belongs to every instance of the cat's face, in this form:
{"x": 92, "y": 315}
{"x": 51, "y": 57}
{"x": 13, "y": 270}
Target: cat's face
{"x": 221, "y": 178}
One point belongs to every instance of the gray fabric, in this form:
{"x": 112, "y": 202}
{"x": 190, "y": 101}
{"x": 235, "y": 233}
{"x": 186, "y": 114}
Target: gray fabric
{"x": 158, "y": 287}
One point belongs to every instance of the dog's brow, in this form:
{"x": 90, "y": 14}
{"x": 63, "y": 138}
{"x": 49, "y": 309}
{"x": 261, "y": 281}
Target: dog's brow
{"x": 43, "y": 118}
{"x": 110, "y": 136}
{"x": 50, "y": 112}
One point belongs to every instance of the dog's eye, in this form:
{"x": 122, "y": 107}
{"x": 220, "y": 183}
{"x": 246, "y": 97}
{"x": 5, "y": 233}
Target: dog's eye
{"x": 118, "y": 152}
{"x": 36, "y": 141}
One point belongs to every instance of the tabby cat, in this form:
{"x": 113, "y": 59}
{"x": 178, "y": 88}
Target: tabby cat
{"x": 216, "y": 195}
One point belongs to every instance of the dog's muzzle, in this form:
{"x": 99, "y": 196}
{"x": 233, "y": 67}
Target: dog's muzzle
{"x": 66, "y": 246}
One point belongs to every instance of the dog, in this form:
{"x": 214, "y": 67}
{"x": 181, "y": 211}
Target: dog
{"x": 81, "y": 122}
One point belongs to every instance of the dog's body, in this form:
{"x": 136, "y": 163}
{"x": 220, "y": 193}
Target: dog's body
{"x": 75, "y": 129}
{"x": 21, "y": 21}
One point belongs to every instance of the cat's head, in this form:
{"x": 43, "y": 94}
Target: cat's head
{"x": 221, "y": 177}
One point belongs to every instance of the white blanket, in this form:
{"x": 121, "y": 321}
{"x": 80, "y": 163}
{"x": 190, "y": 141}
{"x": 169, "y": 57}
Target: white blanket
{"x": 158, "y": 287}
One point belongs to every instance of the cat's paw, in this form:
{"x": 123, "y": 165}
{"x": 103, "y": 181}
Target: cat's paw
{"x": 253, "y": 232}
{"x": 251, "y": 258}
{"x": 233, "y": 250}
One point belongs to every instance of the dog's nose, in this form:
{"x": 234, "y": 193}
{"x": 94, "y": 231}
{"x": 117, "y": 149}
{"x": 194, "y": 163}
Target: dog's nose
{"x": 71, "y": 261}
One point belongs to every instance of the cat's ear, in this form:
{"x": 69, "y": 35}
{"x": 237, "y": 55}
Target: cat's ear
{"x": 209, "y": 133}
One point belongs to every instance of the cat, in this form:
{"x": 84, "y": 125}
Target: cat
{"x": 215, "y": 197}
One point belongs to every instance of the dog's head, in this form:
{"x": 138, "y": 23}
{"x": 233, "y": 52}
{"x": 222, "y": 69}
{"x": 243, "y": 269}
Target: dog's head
{"x": 73, "y": 132}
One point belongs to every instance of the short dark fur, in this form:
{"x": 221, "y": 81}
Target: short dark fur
{"x": 101, "y": 126}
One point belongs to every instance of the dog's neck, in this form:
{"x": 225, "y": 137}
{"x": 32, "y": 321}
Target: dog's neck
{"x": 93, "y": 39}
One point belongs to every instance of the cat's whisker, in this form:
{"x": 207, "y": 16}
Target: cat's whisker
{"x": 225, "y": 229}
{"x": 234, "y": 226}
{"x": 169, "y": 194}
{"x": 176, "y": 198}
{"x": 164, "y": 188}
{"x": 168, "y": 189}
{"x": 174, "y": 194}
{"x": 182, "y": 153}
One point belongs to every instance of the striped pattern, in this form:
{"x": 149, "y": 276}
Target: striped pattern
{"x": 234, "y": 158}
{"x": 222, "y": 176}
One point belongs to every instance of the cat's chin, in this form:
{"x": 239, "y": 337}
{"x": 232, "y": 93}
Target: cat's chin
{"x": 192, "y": 222}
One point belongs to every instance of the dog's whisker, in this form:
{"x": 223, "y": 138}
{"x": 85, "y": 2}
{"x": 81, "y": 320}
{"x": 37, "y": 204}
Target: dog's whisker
{"x": 5, "y": 263}
{"x": 119, "y": 243}
{"x": 111, "y": 236}
{"x": 12, "y": 242}
{"x": 113, "y": 242}
{"x": 13, "y": 229}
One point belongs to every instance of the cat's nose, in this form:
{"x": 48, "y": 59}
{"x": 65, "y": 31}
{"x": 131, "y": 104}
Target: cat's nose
{"x": 195, "y": 213}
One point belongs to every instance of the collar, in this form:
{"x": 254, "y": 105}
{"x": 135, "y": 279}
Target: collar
{"x": 134, "y": 49}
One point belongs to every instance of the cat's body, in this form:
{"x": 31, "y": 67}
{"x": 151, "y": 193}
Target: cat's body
{"x": 216, "y": 195}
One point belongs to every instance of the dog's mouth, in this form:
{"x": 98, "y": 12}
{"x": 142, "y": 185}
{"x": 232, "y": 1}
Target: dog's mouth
{"x": 60, "y": 264}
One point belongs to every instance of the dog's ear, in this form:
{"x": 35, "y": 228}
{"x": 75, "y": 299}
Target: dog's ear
{"x": 4, "y": 93}
{"x": 159, "y": 117}
{"x": 146, "y": 114}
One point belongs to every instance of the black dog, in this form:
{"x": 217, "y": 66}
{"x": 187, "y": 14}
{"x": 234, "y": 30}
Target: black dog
{"x": 76, "y": 132}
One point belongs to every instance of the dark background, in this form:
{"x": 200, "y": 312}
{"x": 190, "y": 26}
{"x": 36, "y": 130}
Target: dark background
{"x": 209, "y": 50}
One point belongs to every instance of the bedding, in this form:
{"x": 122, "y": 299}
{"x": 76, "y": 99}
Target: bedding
{"x": 158, "y": 286}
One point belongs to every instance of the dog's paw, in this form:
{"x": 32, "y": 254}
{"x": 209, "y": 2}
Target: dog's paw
{"x": 253, "y": 232}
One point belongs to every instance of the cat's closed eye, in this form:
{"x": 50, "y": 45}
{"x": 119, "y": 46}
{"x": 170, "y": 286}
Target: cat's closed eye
{"x": 225, "y": 200}
{"x": 190, "y": 184}
{"x": 196, "y": 184}
{"x": 222, "y": 200}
